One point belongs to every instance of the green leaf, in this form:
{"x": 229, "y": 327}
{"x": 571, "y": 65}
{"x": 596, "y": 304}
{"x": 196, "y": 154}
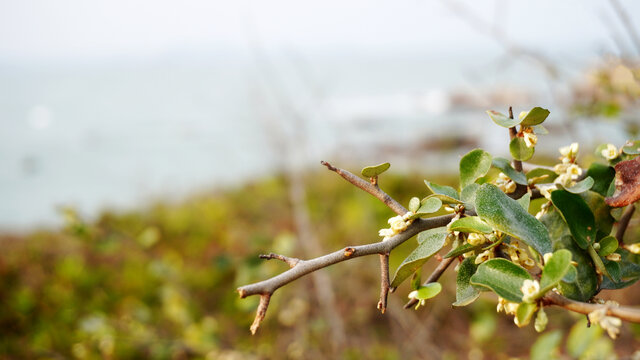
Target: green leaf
{"x": 629, "y": 271}
{"x": 608, "y": 245}
{"x": 444, "y": 199}
{"x": 631, "y": 147}
{"x": 427, "y": 291}
{"x": 525, "y": 201}
{"x": 541, "y": 175}
{"x": 442, "y": 190}
{"x": 540, "y": 130}
{"x": 502, "y": 120}
{"x": 597, "y": 261}
{"x": 536, "y": 116}
{"x": 508, "y": 216}
{"x": 581, "y": 337}
{"x": 418, "y": 257}
{"x": 503, "y": 277}
{"x": 468, "y": 196}
{"x": 373, "y": 171}
{"x": 519, "y": 150}
{"x": 429, "y": 205}
{"x": 601, "y": 211}
{"x": 581, "y": 186}
{"x": 576, "y": 213}
{"x": 554, "y": 270}
{"x": 525, "y": 312}
{"x": 463, "y": 249}
{"x": 613, "y": 268}
{"x": 471, "y": 224}
{"x": 416, "y": 282}
{"x": 465, "y": 292}
{"x": 414, "y": 204}
{"x": 571, "y": 275}
{"x": 602, "y": 175}
{"x": 429, "y": 233}
{"x": 546, "y": 347}
{"x": 474, "y": 165}
{"x": 504, "y": 165}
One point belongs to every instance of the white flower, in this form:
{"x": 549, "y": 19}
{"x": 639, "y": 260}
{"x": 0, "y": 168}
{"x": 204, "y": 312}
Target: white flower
{"x": 484, "y": 256}
{"x": 634, "y": 248}
{"x": 530, "y": 139}
{"x": 522, "y": 115}
{"x": 386, "y": 233}
{"x": 610, "y": 153}
{"x": 614, "y": 257}
{"x": 504, "y": 183}
{"x": 508, "y": 307}
{"x": 530, "y": 289}
{"x": 476, "y": 239}
{"x": 564, "y": 180}
{"x": 611, "y": 325}
{"x": 574, "y": 171}
{"x": 570, "y": 151}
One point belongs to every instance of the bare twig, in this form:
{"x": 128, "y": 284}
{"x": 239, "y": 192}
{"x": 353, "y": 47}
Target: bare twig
{"x": 262, "y": 310}
{"x": 371, "y": 188}
{"x": 304, "y": 267}
{"x": 290, "y": 261}
{"x": 384, "y": 282}
{"x": 623, "y": 224}
{"x": 435, "y": 275}
{"x": 622, "y": 312}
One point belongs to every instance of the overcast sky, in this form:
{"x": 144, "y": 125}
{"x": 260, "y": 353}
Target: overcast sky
{"x": 81, "y": 29}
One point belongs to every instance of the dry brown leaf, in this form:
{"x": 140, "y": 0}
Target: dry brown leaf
{"x": 627, "y": 183}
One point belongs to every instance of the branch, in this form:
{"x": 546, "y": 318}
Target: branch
{"x": 435, "y": 275}
{"x": 384, "y": 282}
{"x": 623, "y": 312}
{"x": 290, "y": 261}
{"x": 624, "y": 222}
{"x": 370, "y": 187}
{"x": 304, "y": 267}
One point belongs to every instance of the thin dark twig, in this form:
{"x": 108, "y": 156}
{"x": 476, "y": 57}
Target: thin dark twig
{"x": 622, "y": 312}
{"x": 623, "y": 224}
{"x": 371, "y": 188}
{"x": 384, "y": 282}
{"x": 435, "y": 275}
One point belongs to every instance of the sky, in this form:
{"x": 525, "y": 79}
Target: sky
{"x": 80, "y": 30}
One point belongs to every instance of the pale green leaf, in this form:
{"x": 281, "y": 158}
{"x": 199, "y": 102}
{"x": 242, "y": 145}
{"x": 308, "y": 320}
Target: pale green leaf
{"x": 503, "y": 277}
{"x": 581, "y": 186}
{"x": 418, "y": 257}
{"x": 505, "y": 166}
{"x": 519, "y": 150}
{"x": 414, "y": 204}
{"x": 555, "y": 270}
{"x": 631, "y": 147}
{"x": 541, "y": 176}
{"x": 525, "y": 313}
{"x": 465, "y": 292}
{"x": 463, "y": 249}
{"x": 507, "y": 215}
{"x": 471, "y": 224}
{"x": 608, "y": 245}
{"x": 375, "y": 170}
{"x": 427, "y": 291}
{"x": 442, "y": 190}
{"x": 546, "y": 346}
{"x": 536, "y": 116}
{"x": 502, "y": 120}
{"x": 475, "y": 164}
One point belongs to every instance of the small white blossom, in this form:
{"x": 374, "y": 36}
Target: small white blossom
{"x": 386, "y": 233}
{"x": 614, "y": 257}
{"x": 530, "y": 289}
{"x": 530, "y": 139}
{"x": 610, "y": 152}
{"x": 484, "y": 256}
{"x": 504, "y": 183}
{"x": 611, "y": 325}
{"x": 634, "y": 248}
{"x": 508, "y": 307}
{"x": 564, "y": 180}
{"x": 477, "y": 239}
{"x": 574, "y": 171}
{"x": 570, "y": 151}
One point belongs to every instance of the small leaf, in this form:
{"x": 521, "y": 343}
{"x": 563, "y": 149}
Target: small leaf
{"x": 536, "y": 116}
{"x": 576, "y": 213}
{"x": 465, "y": 292}
{"x": 631, "y": 147}
{"x": 613, "y": 268}
{"x": 519, "y": 150}
{"x": 525, "y": 312}
{"x": 503, "y": 277}
{"x": 414, "y": 204}
{"x": 442, "y": 190}
{"x": 540, "y": 130}
{"x": 629, "y": 271}
{"x": 471, "y": 224}
{"x": 546, "y": 347}
{"x": 444, "y": 199}
{"x": 427, "y": 291}
{"x": 373, "y": 171}
{"x": 418, "y": 257}
{"x": 416, "y": 282}
{"x": 508, "y": 216}
{"x": 541, "y": 176}
{"x": 581, "y": 186}
{"x": 504, "y": 165}
{"x": 502, "y": 120}
{"x": 608, "y": 245}
{"x": 571, "y": 275}
{"x": 428, "y": 206}
{"x": 627, "y": 183}
{"x": 597, "y": 261}
{"x": 474, "y": 165}
{"x": 603, "y": 175}
{"x": 463, "y": 249}
{"x": 581, "y": 337}
{"x": 468, "y": 195}
{"x": 555, "y": 269}
{"x": 525, "y": 201}
{"x": 431, "y": 232}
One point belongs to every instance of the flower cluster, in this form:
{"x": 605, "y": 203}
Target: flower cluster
{"x": 610, "y": 324}
{"x": 530, "y": 289}
{"x": 397, "y": 225}
{"x": 504, "y": 183}
{"x": 519, "y": 255}
{"x": 530, "y": 139}
{"x": 568, "y": 172}
{"x": 509, "y": 308}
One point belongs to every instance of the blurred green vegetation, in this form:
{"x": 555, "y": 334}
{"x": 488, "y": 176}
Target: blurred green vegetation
{"x": 160, "y": 283}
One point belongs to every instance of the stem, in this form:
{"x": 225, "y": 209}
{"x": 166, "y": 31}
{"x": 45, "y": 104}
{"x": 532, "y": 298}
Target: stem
{"x": 435, "y": 275}
{"x": 623, "y": 312}
{"x": 623, "y": 224}
{"x": 384, "y": 282}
